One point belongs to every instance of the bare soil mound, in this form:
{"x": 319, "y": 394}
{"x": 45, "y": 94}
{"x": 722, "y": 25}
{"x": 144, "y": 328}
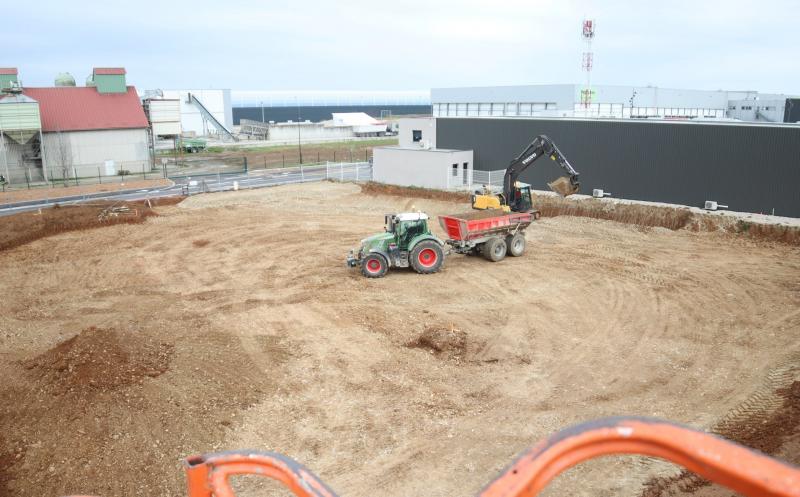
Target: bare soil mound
{"x": 100, "y": 360}
{"x": 447, "y": 341}
{"x": 26, "y": 227}
{"x": 373, "y": 188}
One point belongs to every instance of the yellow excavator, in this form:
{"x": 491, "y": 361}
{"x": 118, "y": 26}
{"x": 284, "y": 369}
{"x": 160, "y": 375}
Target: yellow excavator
{"x": 516, "y": 196}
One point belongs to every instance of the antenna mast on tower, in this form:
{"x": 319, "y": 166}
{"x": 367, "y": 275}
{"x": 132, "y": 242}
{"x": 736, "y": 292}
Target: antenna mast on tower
{"x": 588, "y": 59}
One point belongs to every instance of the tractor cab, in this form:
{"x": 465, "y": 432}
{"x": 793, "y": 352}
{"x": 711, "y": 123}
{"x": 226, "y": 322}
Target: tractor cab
{"x": 406, "y": 226}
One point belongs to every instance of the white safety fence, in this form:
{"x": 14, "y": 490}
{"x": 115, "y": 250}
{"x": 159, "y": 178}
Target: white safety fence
{"x": 488, "y": 178}
{"x": 348, "y": 171}
{"x": 337, "y": 171}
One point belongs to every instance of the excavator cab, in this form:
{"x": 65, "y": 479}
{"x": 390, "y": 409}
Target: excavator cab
{"x": 522, "y": 198}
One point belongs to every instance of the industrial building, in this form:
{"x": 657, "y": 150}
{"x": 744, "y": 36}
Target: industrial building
{"x": 68, "y": 131}
{"x": 341, "y": 126}
{"x": 416, "y": 160}
{"x": 202, "y": 112}
{"x": 607, "y": 101}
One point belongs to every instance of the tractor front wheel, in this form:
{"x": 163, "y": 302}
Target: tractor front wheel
{"x": 374, "y": 266}
{"x": 427, "y": 257}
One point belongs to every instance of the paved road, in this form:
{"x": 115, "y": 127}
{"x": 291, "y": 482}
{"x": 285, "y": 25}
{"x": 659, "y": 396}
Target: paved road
{"x": 193, "y": 185}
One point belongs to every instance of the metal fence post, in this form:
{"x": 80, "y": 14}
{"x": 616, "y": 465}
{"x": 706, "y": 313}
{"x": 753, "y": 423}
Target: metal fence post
{"x": 302, "y": 176}
{"x": 75, "y": 174}
{"x": 341, "y": 171}
{"x": 99, "y": 178}
{"x": 144, "y": 173}
{"x": 357, "y": 168}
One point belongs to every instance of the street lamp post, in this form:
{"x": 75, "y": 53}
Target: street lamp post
{"x": 299, "y": 146}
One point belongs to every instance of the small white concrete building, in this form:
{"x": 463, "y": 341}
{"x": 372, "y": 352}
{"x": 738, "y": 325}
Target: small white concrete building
{"x": 438, "y": 168}
{"x": 416, "y": 161}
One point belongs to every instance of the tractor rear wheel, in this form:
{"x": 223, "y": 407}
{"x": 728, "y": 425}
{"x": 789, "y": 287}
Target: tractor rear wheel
{"x": 427, "y": 257}
{"x": 495, "y": 249}
{"x": 374, "y": 266}
{"x": 515, "y": 244}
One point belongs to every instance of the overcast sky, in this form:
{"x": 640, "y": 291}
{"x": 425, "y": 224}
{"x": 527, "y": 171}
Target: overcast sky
{"x": 407, "y": 45}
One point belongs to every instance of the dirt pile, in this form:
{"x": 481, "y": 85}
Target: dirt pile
{"x": 373, "y": 188}
{"x": 99, "y": 360}
{"x": 26, "y": 227}
{"x": 641, "y": 215}
{"x": 446, "y": 341}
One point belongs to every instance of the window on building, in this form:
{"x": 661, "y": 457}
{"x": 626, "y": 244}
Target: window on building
{"x": 455, "y": 170}
{"x": 466, "y": 173}
{"x": 747, "y": 107}
{"x": 416, "y": 135}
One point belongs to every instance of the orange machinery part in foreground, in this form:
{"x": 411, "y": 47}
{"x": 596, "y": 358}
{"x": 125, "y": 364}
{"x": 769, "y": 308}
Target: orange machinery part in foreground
{"x": 734, "y": 466}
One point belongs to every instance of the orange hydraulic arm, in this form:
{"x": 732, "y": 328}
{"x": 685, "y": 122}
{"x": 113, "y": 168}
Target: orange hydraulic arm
{"x": 734, "y": 466}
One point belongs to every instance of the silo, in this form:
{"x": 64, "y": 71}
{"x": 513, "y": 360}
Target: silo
{"x": 20, "y": 135}
{"x": 65, "y": 79}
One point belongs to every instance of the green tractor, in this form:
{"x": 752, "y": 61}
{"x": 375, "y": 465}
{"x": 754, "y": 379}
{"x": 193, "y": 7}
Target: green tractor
{"x": 406, "y": 241}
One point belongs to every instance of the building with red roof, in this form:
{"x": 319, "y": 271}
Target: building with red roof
{"x": 99, "y": 129}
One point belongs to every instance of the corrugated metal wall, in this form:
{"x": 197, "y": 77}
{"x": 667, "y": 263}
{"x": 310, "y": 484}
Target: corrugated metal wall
{"x": 751, "y": 168}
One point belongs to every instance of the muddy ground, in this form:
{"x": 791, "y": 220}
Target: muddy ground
{"x": 229, "y": 321}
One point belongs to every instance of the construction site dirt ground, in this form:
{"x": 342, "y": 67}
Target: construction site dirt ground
{"x": 230, "y": 321}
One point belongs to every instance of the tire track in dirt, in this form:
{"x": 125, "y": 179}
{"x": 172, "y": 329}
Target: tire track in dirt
{"x": 751, "y": 423}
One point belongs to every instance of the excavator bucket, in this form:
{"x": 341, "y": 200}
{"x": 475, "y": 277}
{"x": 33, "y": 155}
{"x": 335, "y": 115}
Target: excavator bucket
{"x": 563, "y": 186}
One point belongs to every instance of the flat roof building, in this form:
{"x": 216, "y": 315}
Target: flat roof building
{"x": 609, "y": 101}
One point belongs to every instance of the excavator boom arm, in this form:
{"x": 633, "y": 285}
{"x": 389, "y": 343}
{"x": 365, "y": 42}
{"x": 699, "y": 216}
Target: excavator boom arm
{"x": 540, "y": 146}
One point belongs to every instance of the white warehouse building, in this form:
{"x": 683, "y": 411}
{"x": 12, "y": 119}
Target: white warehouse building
{"x": 607, "y": 101}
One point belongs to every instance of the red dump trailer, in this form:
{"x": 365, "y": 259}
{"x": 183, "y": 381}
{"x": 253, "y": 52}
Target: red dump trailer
{"x": 492, "y": 233}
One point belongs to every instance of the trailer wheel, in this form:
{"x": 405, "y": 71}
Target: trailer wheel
{"x": 374, "y": 266}
{"x": 515, "y": 244}
{"x": 427, "y": 257}
{"x": 495, "y": 249}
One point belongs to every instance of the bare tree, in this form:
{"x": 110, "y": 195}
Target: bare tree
{"x": 63, "y": 155}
